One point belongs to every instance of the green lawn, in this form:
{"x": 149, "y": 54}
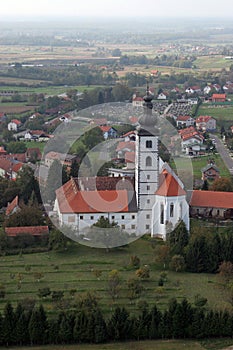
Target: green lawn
{"x": 74, "y": 269}
{"x": 32, "y": 144}
{"x": 141, "y": 345}
{"x": 216, "y": 62}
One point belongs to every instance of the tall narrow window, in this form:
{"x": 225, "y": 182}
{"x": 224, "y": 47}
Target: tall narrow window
{"x": 161, "y": 214}
{"x": 171, "y": 210}
{"x": 181, "y": 211}
{"x": 149, "y": 144}
{"x": 148, "y": 161}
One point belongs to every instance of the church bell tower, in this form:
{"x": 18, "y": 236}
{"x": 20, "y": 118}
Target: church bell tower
{"x": 147, "y": 164}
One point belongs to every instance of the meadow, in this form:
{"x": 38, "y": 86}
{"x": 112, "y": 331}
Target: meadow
{"x": 75, "y": 269}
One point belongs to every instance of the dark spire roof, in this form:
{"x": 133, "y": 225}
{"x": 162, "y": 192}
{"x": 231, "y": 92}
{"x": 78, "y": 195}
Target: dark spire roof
{"x": 148, "y": 121}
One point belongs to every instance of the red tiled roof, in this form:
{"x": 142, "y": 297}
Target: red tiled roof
{"x": 183, "y": 118}
{"x": 169, "y": 186}
{"x": 105, "y": 128}
{"x": 130, "y": 157}
{"x": 16, "y": 121}
{"x": 221, "y": 96}
{"x": 30, "y": 230}
{"x": 94, "y": 202}
{"x": 132, "y": 132}
{"x": 125, "y": 145}
{"x": 9, "y": 165}
{"x": 203, "y": 119}
{"x": 212, "y": 199}
{"x": 12, "y": 205}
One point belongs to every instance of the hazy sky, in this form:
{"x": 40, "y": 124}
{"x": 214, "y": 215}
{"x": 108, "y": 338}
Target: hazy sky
{"x": 165, "y": 8}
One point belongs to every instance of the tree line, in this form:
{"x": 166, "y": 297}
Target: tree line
{"x": 28, "y": 324}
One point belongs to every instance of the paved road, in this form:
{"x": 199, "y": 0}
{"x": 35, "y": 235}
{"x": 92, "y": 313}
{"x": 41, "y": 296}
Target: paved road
{"x": 224, "y": 152}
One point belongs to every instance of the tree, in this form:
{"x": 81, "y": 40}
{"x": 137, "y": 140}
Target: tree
{"x": 119, "y": 325}
{"x": 27, "y": 216}
{"x": 113, "y": 284}
{"x": 177, "y": 263}
{"x": 163, "y": 255}
{"x": 135, "y": 288}
{"x": 222, "y": 184}
{"x": 16, "y": 147}
{"x": 178, "y": 239}
{"x": 57, "y": 240}
{"x": 37, "y": 326}
{"x": 121, "y": 92}
{"x": 143, "y": 272}
{"x": 8, "y": 325}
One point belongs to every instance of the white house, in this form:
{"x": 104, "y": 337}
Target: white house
{"x": 206, "y": 123}
{"x": 13, "y": 125}
{"x": 184, "y": 121}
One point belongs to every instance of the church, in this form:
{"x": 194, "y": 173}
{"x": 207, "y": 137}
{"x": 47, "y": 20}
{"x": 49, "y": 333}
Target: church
{"x": 154, "y": 201}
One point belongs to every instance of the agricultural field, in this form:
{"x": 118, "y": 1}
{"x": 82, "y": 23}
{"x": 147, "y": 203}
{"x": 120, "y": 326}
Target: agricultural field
{"x": 212, "y": 62}
{"x": 76, "y": 269}
{"x": 213, "y": 344}
{"x": 15, "y": 108}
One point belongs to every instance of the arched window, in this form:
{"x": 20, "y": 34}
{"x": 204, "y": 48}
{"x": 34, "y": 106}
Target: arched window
{"x": 171, "y": 210}
{"x": 161, "y": 214}
{"x": 149, "y": 144}
{"x": 148, "y": 161}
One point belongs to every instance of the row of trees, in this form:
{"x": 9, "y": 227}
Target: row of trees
{"x": 29, "y": 325}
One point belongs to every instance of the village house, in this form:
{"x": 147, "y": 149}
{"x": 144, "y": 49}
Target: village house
{"x": 162, "y": 96}
{"x": 108, "y": 132}
{"x": 206, "y": 123}
{"x": 210, "y": 172}
{"x": 63, "y": 158}
{"x": 191, "y": 141}
{"x": 218, "y": 98}
{"x": 184, "y": 121}
{"x": 137, "y": 101}
{"x": 9, "y": 168}
{"x": 130, "y": 136}
{"x": 13, "y": 125}
{"x": 36, "y": 135}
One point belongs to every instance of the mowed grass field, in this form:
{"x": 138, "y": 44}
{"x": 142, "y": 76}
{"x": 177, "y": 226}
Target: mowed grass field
{"x": 141, "y": 345}
{"x": 76, "y": 268}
